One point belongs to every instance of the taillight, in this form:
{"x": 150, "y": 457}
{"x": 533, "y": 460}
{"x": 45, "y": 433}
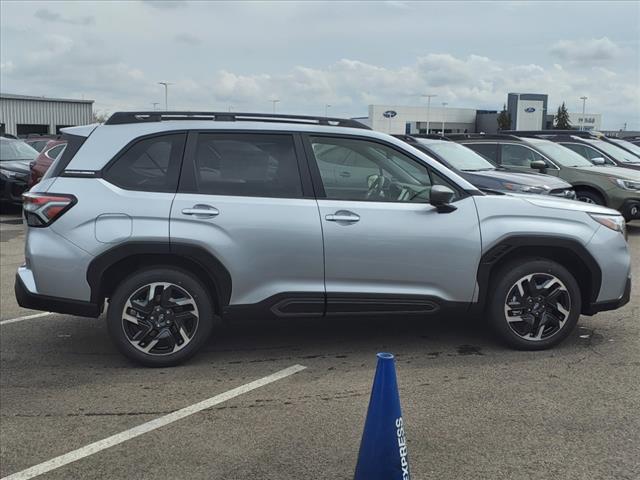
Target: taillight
{"x": 42, "y": 209}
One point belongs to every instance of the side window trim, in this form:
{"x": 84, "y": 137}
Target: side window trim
{"x": 315, "y": 170}
{"x": 187, "y": 182}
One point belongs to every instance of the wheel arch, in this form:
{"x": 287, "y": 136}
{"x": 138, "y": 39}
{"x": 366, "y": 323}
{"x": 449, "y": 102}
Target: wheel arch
{"x": 110, "y": 267}
{"x": 567, "y": 252}
{"x": 591, "y": 188}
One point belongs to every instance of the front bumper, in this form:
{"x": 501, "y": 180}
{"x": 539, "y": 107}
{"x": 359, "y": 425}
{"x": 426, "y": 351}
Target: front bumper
{"x": 610, "y": 305}
{"x": 34, "y": 301}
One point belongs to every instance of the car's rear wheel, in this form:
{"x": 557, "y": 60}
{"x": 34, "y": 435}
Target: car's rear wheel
{"x": 536, "y": 303}
{"x": 160, "y": 317}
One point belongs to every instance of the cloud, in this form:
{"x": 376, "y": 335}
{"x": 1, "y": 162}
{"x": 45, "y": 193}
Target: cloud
{"x": 49, "y": 16}
{"x": 165, "y": 4}
{"x": 591, "y": 51}
{"x": 187, "y": 38}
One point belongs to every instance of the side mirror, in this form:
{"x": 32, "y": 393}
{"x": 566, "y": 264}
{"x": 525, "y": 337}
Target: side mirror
{"x": 540, "y": 165}
{"x": 598, "y": 161}
{"x": 441, "y": 197}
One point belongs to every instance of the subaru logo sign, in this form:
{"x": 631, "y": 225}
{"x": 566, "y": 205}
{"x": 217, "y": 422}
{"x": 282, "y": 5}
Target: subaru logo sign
{"x": 389, "y": 114}
{"x": 529, "y": 109}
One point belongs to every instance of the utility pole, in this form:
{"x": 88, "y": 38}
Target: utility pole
{"x": 166, "y": 94}
{"x": 444, "y": 110}
{"x": 428, "y": 96}
{"x": 274, "y": 101}
{"x": 584, "y": 104}
{"x": 326, "y": 109}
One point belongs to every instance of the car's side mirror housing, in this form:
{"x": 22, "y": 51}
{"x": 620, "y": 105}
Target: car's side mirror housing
{"x": 598, "y": 161}
{"x": 540, "y": 165}
{"x": 441, "y": 198}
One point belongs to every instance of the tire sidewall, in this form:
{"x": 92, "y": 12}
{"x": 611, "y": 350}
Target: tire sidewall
{"x": 505, "y": 280}
{"x": 597, "y": 199}
{"x": 161, "y": 274}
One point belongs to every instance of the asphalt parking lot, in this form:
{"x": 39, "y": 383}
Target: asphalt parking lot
{"x": 472, "y": 408}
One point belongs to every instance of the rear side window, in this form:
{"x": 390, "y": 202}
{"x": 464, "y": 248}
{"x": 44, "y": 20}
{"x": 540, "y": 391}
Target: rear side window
{"x": 151, "y": 164}
{"x": 487, "y": 150}
{"x": 74, "y": 142}
{"x": 245, "y": 164}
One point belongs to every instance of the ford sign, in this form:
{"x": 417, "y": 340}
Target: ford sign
{"x": 389, "y": 114}
{"x": 529, "y": 109}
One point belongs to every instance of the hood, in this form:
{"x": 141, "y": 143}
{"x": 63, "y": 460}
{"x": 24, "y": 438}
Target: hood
{"x": 618, "y": 172}
{"x": 20, "y": 166}
{"x": 529, "y": 179}
{"x": 564, "y": 204}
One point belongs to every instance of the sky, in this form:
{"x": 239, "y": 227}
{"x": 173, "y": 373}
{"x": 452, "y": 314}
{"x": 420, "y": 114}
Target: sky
{"x": 242, "y": 55}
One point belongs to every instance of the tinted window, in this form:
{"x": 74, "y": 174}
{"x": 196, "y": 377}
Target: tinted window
{"x": 369, "y": 171}
{"x": 518, "y": 156}
{"x": 151, "y": 164}
{"x": 54, "y": 152}
{"x": 253, "y": 165}
{"x": 487, "y": 150}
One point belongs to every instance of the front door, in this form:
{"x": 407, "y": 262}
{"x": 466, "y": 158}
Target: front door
{"x": 241, "y": 198}
{"x": 386, "y": 248}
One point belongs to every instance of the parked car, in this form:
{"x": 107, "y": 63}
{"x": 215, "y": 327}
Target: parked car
{"x": 45, "y": 158}
{"x": 594, "y": 147}
{"x": 39, "y": 142}
{"x": 184, "y": 220}
{"x": 481, "y": 173}
{"x": 611, "y": 186}
{"x": 15, "y": 156}
{"x": 626, "y": 145}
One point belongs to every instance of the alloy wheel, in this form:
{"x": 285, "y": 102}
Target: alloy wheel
{"x": 537, "y": 306}
{"x": 160, "y": 318}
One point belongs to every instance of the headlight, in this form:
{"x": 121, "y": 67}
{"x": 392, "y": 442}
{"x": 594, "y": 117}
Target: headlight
{"x": 516, "y": 187}
{"x": 626, "y": 184}
{"x": 614, "y": 222}
{"x": 8, "y": 173}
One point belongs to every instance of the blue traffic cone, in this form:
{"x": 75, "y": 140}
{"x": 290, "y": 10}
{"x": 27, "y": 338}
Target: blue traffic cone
{"x": 383, "y": 450}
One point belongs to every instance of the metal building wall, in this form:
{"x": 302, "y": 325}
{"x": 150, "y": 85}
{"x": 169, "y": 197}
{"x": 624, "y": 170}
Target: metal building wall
{"x": 14, "y": 111}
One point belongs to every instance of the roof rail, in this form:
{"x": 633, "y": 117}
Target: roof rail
{"x": 576, "y": 133}
{"x": 119, "y": 118}
{"x": 487, "y": 136}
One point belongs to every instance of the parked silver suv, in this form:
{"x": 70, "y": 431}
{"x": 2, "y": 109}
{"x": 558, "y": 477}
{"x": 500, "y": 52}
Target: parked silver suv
{"x": 175, "y": 221}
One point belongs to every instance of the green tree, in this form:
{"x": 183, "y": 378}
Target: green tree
{"x": 561, "y": 120}
{"x": 504, "y": 119}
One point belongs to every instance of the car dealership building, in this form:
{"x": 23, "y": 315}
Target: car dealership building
{"x": 528, "y": 111}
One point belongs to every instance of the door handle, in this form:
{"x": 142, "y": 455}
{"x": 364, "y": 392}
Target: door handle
{"x": 201, "y": 211}
{"x": 342, "y": 216}
{"x": 345, "y": 174}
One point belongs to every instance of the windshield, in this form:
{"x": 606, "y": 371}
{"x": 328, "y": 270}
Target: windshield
{"x": 16, "y": 150}
{"x": 613, "y": 150}
{"x": 627, "y": 145}
{"x": 562, "y": 155}
{"x": 460, "y": 157}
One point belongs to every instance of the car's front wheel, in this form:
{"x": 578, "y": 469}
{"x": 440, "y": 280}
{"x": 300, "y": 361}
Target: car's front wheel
{"x": 535, "y": 305}
{"x": 160, "y": 317}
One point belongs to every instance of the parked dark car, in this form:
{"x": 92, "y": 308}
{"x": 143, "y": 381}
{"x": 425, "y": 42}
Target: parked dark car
{"x": 611, "y": 186}
{"x": 45, "y": 158}
{"x": 15, "y": 156}
{"x": 483, "y": 174}
{"x": 594, "y": 147}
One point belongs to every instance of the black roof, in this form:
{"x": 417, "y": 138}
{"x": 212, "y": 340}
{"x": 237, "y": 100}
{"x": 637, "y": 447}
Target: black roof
{"x": 119, "y": 118}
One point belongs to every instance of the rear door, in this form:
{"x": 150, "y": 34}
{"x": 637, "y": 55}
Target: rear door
{"x": 245, "y": 199}
{"x": 386, "y": 248}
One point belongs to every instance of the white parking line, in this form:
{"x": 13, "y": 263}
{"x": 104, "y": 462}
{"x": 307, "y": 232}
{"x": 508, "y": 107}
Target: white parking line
{"x": 149, "y": 426}
{"x": 26, "y": 317}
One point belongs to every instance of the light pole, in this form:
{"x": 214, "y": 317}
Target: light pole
{"x": 429, "y": 96}
{"x": 155, "y": 106}
{"x": 166, "y": 94}
{"x": 444, "y": 105}
{"x": 584, "y": 106}
{"x": 274, "y": 101}
{"x": 326, "y": 109}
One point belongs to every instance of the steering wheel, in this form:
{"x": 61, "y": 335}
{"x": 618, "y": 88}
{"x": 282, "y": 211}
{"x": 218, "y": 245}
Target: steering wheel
{"x": 376, "y": 189}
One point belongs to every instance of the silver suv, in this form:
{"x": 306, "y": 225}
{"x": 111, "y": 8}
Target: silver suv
{"x": 173, "y": 222}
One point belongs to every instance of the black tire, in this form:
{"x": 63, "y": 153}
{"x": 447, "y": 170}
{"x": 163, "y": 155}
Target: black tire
{"x": 506, "y": 301}
{"x": 196, "y": 303}
{"x": 590, "y": 197}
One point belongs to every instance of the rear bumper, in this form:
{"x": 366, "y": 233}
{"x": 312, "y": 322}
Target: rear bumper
{"x": 34, "y": 301}
{"x": 596, "y": 307}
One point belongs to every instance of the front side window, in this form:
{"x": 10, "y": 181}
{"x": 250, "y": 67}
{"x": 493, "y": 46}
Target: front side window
{"x": 250, "y": 165}
{"x": 518, "y": 156}
{"x": 151, "y": 164}
{"x": 370, "y": 171}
